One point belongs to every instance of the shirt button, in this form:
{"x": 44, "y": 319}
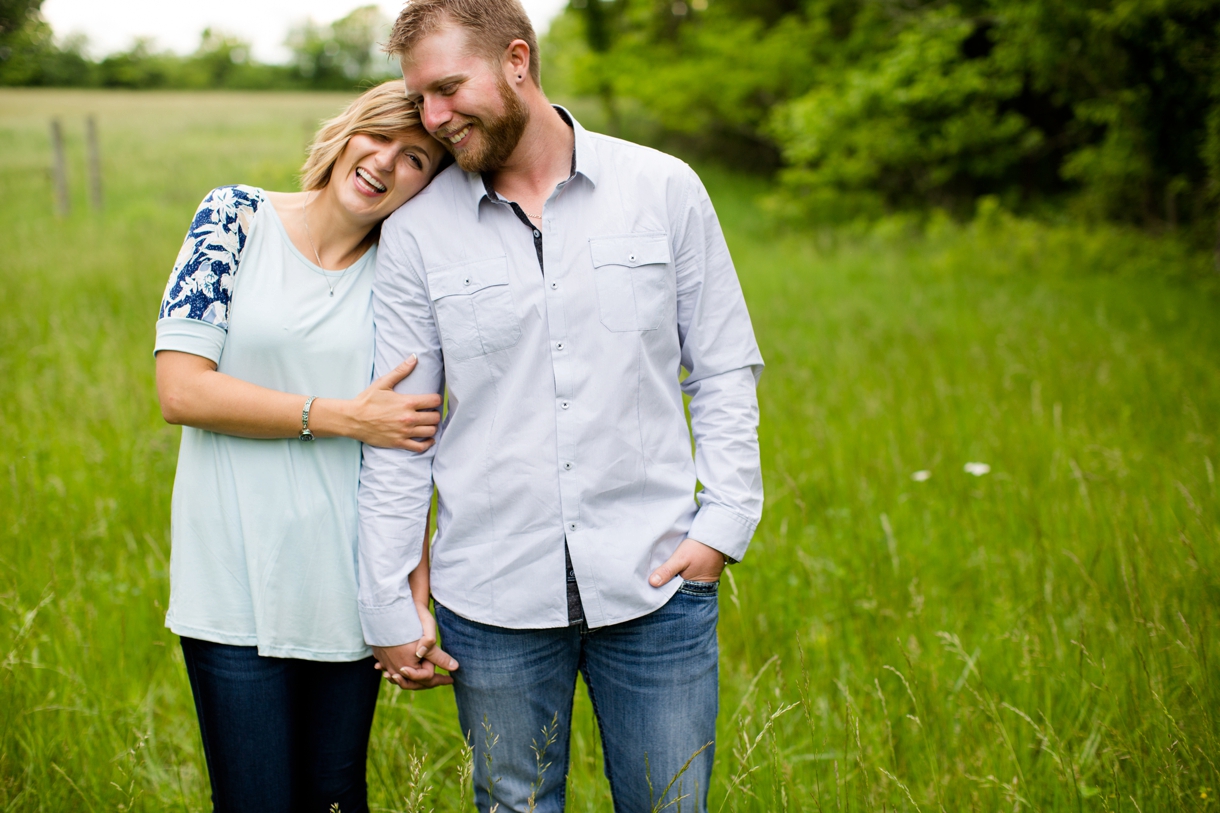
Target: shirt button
{"x": 554, "y": 286}
{"x": 571, "y": 526}
{"x": 631, "y": 258}
{"x": 537, "y": 233}
{"x": 567, "y": 466}
{"x": 466, "y": 281}
{"x": 558, "y": 345}
{"x": 563, "y": 404}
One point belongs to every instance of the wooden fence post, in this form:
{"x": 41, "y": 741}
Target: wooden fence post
{"x": 95, "y": 164}
{"x": 61, "y": 169}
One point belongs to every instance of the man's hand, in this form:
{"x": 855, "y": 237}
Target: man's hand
{"x": 693, "y": 561}
{"x": 413, "y": 665}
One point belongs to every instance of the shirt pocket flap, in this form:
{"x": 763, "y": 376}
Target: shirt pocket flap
{"x": 467, "y": 278}
{"x": 630, "y": 250}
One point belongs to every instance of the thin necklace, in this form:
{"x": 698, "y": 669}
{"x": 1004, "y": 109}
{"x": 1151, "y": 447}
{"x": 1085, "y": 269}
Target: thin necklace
{"x": 318, "y": 257}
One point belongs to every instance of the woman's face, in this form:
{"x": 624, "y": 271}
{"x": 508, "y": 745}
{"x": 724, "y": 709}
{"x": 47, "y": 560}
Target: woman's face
{"x": 375, "y": 175}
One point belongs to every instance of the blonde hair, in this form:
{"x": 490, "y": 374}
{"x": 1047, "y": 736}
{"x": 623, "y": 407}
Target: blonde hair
{"x": 491, "y": 26}
{"x": 380, "y": 111}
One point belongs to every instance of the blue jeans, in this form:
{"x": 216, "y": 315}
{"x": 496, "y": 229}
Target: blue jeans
{"x": 653, "y": 683}
{"x": 282, "y": 734}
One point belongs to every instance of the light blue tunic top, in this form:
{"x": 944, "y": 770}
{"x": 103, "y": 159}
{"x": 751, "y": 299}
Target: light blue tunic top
{"x": 264, "y": 531}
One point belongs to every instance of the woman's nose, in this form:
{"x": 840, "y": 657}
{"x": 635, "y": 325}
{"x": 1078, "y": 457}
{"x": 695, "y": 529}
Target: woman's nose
{"x": 386, "y": 156}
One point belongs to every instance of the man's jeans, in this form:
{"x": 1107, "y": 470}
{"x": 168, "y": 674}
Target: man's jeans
{"x": 653, "y": 684}
{"x": 282, "y": 735}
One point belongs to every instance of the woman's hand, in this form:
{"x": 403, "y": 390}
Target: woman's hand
{"x": 381, "y": 417}
{"x": 413, "y": 665}
{"x": 194, "y": 393}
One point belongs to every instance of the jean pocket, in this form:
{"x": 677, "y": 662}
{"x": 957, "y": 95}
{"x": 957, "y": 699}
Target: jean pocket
{"x": 632, "y": 273}
{"x": 475, "y": 310}
{"x": 701, "y": 589}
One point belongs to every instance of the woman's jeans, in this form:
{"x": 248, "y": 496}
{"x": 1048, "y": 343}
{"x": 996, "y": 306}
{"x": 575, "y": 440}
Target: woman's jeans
{"x": 653, "y": 684}
{"x": 282, "y": 734}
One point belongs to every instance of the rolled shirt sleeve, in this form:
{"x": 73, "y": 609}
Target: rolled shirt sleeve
{"x": 721, "y": 356}
{"x": 395, "y": 484}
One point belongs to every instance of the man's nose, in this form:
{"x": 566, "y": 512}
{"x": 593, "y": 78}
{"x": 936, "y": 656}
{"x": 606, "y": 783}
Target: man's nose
{"x": 435, "y": 114}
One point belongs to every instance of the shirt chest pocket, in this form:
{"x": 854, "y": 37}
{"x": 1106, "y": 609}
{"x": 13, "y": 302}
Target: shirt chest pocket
{"x": 633, "y": 280}
{"x": 474, "y": 308}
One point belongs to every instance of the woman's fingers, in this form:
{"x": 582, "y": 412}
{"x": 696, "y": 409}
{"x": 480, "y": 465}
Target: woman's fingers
{"x": 423, "y": 429}
{"x": 391, "y": 379}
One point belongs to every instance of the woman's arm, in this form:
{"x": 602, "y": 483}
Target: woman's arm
{"x": 193, "y": 393}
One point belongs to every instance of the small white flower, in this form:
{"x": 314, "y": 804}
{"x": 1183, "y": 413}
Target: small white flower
{"x": 977, "y": 469}
{"x": 921, "y": 476}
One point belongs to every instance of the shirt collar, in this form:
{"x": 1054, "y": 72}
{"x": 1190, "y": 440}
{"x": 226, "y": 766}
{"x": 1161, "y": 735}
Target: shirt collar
{"x": 584, "y": 161}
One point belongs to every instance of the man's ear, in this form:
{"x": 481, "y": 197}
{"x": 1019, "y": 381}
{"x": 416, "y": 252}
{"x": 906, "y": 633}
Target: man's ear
{"x": 517, "y": 58}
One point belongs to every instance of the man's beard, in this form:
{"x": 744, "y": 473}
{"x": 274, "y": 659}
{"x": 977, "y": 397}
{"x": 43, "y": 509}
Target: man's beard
{"x": 500, "y": 135}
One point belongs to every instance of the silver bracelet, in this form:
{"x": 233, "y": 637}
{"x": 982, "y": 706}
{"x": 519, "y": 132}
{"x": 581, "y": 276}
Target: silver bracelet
{"x": 305, "y": 433}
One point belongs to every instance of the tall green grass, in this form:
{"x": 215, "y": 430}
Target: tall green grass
{"x": 1038, "y": 637}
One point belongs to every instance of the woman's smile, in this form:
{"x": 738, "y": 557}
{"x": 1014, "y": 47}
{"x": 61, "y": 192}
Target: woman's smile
{"x": 366, "y": 183}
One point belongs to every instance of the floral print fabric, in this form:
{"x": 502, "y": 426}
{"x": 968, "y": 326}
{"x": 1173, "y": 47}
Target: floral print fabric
{"x": 202, "y": 281}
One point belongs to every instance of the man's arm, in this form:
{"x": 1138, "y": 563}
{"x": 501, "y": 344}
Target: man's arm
{"x": 721, "y": 355}
{"x": 396, "y": 485}
{"x": 413, "y": 665}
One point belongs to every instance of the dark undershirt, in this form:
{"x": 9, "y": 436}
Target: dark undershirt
{"x": 576, "y": 612}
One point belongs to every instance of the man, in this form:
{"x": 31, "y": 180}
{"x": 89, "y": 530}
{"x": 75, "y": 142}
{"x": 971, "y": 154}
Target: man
{"x": 555, "y": 281}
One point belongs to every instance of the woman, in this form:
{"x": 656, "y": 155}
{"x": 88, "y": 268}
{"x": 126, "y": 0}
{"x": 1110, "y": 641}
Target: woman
{"x": 264, "y": 344}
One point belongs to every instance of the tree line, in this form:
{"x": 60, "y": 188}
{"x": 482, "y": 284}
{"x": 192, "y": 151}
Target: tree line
{"x": 1094, "y": 109}
{"x": 1097, "y": 108}
{"x": 337, "y": 56}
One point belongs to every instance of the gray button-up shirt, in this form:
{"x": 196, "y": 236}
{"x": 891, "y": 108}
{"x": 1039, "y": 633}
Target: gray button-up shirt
{"x": 565, "y": 417}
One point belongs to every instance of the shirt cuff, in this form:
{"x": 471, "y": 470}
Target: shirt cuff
{"x": 723, "y": 530}
{"x": 392, "y": 625}
{"x": 190, "y": 336}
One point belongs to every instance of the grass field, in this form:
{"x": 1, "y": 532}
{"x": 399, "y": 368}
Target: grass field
{"x": 1039, "y": 637}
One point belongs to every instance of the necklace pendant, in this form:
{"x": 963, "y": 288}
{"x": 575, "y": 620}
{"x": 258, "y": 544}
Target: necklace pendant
{"x": 332, "y": 293}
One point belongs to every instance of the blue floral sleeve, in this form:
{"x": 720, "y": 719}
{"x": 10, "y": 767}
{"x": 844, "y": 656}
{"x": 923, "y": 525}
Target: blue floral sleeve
{"x": 202, "y": 280}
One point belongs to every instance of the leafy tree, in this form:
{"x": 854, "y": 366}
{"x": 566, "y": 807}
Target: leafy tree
{"x": 15, "y": 13}
{"x": 343, "y": 53}
{"x": 867, "y": 105}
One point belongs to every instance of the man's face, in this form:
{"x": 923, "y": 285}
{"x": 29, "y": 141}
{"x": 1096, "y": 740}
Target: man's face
{"x": 465, "y": 100}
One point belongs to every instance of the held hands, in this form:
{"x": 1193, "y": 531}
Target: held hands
{"x": 381, "y": 417}
{"x": 413, "y": 665}
{"x": 693, "y": 561}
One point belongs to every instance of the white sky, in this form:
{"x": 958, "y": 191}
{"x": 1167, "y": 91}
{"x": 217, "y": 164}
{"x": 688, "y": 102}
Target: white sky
{"x": 111, "y": 25}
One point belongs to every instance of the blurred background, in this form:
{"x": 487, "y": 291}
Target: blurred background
{"x": 1097, "y": 108}
{"x": 978, "y": 241}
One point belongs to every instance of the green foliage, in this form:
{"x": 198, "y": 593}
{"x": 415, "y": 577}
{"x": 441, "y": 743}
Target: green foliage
{"x": 339, "y": 56}
{"x": 878, "y": 105}
{"x": 918, "y": 124}
{"x": 29, "y": 55}
{"x": 1039, "y": 638}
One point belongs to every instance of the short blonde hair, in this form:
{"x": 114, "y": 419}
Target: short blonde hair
{"x": 491, "y": 26}
{"x": 383, "y": 110}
